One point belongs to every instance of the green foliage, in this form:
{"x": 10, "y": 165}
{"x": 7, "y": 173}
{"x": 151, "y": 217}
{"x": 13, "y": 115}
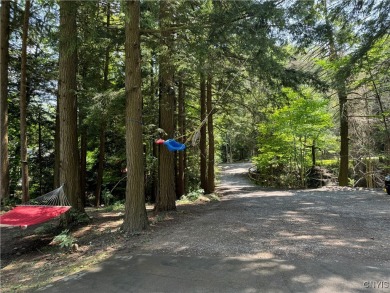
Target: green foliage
{"x": 107, "y": 197}
{"x": 64, "y": 239}
{"x": 257, "y": 84}
{"x": 286, "y": 138}
{"x": 117, "y": 206}
{"x": 9, "y": 203}
{"x": 79, "y": 218}
{"x": 192, "y": 195}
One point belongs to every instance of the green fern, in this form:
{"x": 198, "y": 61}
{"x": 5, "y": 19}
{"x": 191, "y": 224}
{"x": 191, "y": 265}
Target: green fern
{"x": 64, "y": 240}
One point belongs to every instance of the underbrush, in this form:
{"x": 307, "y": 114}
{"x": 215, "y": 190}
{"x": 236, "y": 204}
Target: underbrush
{"x": 118, "y": 206}
{"x": 197, "y": 195}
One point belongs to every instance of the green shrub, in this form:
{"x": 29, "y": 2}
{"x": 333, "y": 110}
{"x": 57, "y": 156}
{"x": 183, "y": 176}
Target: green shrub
{"x": 107, "y": 197}
{"x": 117, "y": 206}
{"x": 192, "y": 196}
{"x": 64, "y": 239}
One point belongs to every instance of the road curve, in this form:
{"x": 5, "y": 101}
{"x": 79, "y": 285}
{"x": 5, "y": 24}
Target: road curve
{"x": 258, "y": 240}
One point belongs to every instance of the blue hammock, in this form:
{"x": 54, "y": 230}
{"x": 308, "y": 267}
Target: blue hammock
{"x": 173, "y": 145}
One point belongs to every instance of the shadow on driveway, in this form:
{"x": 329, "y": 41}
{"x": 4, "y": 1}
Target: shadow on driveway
{"x": 258, "y": 240}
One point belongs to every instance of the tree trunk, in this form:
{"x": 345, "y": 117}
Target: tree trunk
{"x": 313, "y": 153}
{"x": 40, "y": 165}
{"x": 83, "y": 137}
{"x": 103, "y": 123}
{"x": 69, "y": 153}
{"x": 344, "y": 137}
{"x": 99, "y": 180}
{"x": 343, "y": 112}
{"x": 4, "y": 59}
{"x": 230, "y": 150}
{"x": 57, "y": 181}
{"x": 181, "y": 156}
{"x": 210, "y": 128}
{"x": 166, "y": 196}
{"x": 155, "y": 171}
{"x": 203, "y": 135}
{"x": 135, "y": 210}
{"x": 154, "y": 96}
{"x": 83, "y": 160}
{"x": 108, "y": 48}
{"x": 23, "y": 106}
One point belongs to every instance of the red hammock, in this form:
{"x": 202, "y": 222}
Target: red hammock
{"x": 30, "y": 215}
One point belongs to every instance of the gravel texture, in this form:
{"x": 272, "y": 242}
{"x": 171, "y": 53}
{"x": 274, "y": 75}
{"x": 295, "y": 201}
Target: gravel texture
{"x": 330, "y": 223}
{"x": 253, "y": 240}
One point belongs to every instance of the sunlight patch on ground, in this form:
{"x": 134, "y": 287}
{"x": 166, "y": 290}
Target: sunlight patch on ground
{"x": 236, "y": 171}
{"x": 307, "y": 237}
{"x": 303, "y": 279}
{"x": 336, "y": 284}
{"x": 240, "y": 193}
{"x": 181, "y": 249}
{"x": 349, "y": 244}
{"x": 258, "y": 255}
{"x": 327, "y": 228}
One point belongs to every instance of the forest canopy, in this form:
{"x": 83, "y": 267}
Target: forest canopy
{"x": 87, "y": 87}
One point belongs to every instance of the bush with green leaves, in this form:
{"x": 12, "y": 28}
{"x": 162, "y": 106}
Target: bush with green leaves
{"x": 117, "y": 206}
{"x": 287, "y": 138}
{"x": 192, "y": 195}
{"x": 64, "y": 239}
{"x": 107, "y": 197}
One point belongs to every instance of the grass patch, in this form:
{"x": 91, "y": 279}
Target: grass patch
{"x": 190, "y": 197}
{"x": 197, "y": 196}
{"x": 330, "y": 162}
{"x": 118, "y": 206}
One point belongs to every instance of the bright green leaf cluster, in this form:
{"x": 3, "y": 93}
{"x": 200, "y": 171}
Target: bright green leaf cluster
{"x": 287, "y": 137}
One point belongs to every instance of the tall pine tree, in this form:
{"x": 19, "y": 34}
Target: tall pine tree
{"x": 135, "y": 211}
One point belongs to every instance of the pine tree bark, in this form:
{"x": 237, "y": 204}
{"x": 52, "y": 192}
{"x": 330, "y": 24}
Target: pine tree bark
{"x": 69, "y": 152}
{"x": 135, "y": 210}
{"x": 23, "y": 106}
{"x": 210, "y": 128}
{"x": 57, "y": 162}
{"x": 344, "y": 136}
{"x": 154, "y": 99}
{"x": 203, "y": 134}
{"x": 101, "y": 160}
{"x": 4, "y": 59}
{"x": 40, "y": 164}
{"x": 343, "y": 111}
{"x": 166, "y": 197}
{"x": 103, "y": 123}
{"x": 83, "y": 67}
{"x": 83, "y": 159}
{"x": 182, "y": 155}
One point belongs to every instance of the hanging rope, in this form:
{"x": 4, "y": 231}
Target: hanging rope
{"x": 38, "y": 210}
{"x": 56, "y": 197}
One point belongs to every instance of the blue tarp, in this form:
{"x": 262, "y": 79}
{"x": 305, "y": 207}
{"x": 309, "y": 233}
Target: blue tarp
{"x": 173, "y": 145}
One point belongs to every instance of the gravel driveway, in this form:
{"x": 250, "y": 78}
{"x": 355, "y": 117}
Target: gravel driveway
{"x": 330, "y": 223}
{"x": 256, "y": 240}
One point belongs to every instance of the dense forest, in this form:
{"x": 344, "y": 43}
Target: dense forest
{"x": 88, "y": 87}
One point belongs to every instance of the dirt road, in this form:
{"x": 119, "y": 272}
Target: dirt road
{"x": 258, "y": 240}
{"x": 328, "y": 223}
